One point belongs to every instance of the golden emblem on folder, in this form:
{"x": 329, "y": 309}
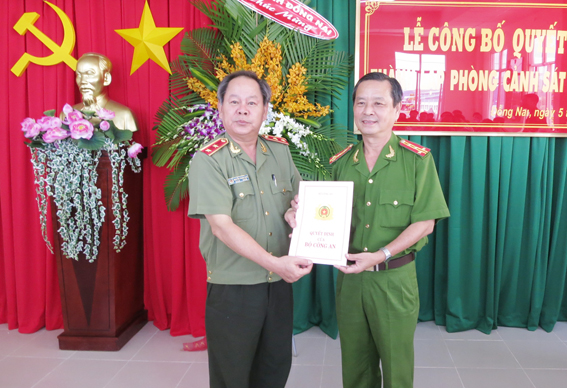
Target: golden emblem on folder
{"x": 324, "y": 213}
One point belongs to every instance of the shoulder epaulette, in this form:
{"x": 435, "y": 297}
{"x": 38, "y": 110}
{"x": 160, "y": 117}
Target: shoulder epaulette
{"x": 340, "y": 154}
{"x": 213, "y": 147}
{"x": 414, "y": 147}
{"x": 276, "y": 139}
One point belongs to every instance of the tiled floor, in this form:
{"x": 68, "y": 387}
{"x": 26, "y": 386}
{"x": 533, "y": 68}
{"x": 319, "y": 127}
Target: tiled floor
{"x": 507, "y": 358}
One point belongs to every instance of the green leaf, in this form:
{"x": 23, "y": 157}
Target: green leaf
{"x": 192, "y": 115}
{"x": 111, "y": 132}
{"x": 209, "y": 81}
{"x": 50, "y": 113}
{"x": 310, "y": 122}
{"x": 163, "y": 152}
{"x": 122, "y": 135}
{"x": 35, "y": 144}
{"x": 176, "y": 187}
{"x": 95, "y": 143}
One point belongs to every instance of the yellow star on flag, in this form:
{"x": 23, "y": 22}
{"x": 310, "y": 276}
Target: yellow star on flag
{"x": 148, "y": 41}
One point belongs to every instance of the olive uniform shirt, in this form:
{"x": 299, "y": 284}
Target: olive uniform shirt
{"x": 402, "y": 188}
{"x": 255, "y": 196}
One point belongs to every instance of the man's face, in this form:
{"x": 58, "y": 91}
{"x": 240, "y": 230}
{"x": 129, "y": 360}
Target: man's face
{"x": 374, "y": 110}
{"x": 90, "y": 78}
{"x": 243, "y": 109}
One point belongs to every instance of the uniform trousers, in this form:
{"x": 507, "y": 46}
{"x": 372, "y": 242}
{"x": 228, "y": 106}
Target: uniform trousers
{"x": 249, "y": 334}
{"x": 377, "y": 315}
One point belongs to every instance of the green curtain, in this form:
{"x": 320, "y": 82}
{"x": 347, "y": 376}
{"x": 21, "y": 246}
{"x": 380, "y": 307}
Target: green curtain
{"x": 501, "y": 258}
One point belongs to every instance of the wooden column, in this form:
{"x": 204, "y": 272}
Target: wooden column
{"x": 103, "y": 302}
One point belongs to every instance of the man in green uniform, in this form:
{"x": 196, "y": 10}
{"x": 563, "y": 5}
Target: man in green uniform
{"x": 240, "y": 186}
{"x": 397, "y": 201}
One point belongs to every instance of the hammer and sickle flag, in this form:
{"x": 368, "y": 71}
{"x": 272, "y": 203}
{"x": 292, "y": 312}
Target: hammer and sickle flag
{"x": 60, "y": 53}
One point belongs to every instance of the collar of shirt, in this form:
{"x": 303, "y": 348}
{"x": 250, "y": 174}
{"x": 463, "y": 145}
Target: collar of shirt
{"x": 262, "y": 150}
{"x": 388, "y": 154}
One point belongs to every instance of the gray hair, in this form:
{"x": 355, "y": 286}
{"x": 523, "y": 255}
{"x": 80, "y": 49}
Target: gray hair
{"x": 264, "y": 87}
{"x": 396, "y": 92}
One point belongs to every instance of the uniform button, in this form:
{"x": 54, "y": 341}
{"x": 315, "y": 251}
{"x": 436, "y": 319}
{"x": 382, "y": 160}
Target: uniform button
{"x": 396, "y": 203}
{"x": 261, "y": 192}
{"x": 283, "y": 190}
{"x": 210, "y": 272}
{"x": 367, "y": 226}
{"x": 370, "y": 181}
{"x": 368, "y": 203}
{"x": 270, "y": 278}
{"x": 270, "y": 273}
{"x": 241, "y": 195}
{"x": 269, "y": 234}
{"x": 365, "y": 249}
{"x": 271, "y": 253}
{"x": 209, "y": 278}
{"x": 267, "y": 213}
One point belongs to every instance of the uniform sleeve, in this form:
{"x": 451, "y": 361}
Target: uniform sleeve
{"x": 295, "y": 176}
{"x": 429, "y": 202}
{"x": 209, "y": 192}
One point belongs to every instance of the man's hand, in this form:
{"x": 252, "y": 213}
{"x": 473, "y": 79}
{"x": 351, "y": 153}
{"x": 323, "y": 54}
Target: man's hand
{"x": 289, "y": 215}
{"x": 362, "y": 261}
{"x": 292, "y": 268}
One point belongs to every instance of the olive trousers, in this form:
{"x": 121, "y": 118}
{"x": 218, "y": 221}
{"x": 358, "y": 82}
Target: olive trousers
{"x": 249, "y": 334}
{"x": 377, "y": 315}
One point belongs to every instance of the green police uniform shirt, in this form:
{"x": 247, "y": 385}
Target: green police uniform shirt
{"x": 224, "y": 180}
{"x": 402, "y": 188}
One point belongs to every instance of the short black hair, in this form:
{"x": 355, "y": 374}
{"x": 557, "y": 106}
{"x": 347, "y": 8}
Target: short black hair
{"x": 264, "y": 87}
{"x": 397, "y": 93}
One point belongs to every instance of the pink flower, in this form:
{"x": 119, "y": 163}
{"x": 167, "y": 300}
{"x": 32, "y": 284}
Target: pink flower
{"x": 81, "y": 129}
{"x": 27, "y": 123}
{"x": 105, "y": 114}
{"x": 134, "y": 150}
{"x": 104, "y": 125}
{"x": 74, "y": 116}
{"x": 67, "y": 109}
{"x": 30, "y": 127}
{"x": 55, "y": 133}
{"x": 48, "y": 122}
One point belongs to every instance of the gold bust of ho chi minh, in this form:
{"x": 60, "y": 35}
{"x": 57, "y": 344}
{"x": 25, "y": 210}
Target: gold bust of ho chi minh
{"x": 93, "y": 77}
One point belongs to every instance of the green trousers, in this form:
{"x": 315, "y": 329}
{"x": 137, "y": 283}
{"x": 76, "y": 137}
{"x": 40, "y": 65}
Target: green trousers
{"x": 377, "y": 316}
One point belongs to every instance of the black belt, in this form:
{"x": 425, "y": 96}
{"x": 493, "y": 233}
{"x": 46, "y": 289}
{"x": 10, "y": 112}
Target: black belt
{"x": 394, "y": 263}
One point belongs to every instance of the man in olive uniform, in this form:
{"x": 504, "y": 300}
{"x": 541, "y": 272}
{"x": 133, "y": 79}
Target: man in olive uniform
{"x": 397, "y": 201}
{"x": 241, "y": 186}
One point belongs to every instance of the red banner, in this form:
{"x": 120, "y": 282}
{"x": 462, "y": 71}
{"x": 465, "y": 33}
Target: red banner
{"x": 294, "y": 15}
{"x": 470, "y": 68}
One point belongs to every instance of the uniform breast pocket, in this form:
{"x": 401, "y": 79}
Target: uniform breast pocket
{"x": 243, "y": 204}
{"x": 282, "y": 194}
{"x": 395, "y": 208}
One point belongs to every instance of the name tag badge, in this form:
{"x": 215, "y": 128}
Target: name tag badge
{"x": 238, "y": 179}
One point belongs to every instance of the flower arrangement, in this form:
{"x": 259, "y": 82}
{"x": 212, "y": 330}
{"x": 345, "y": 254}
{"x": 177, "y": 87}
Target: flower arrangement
{"x": 65, "y": 155}
{"x": 301, "y": 71}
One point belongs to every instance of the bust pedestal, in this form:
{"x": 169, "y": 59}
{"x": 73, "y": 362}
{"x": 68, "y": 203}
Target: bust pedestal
{"x": 103, "y": 301}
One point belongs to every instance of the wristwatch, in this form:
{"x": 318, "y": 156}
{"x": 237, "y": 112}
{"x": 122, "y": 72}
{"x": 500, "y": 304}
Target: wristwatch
{"x": 386, "y": 253}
